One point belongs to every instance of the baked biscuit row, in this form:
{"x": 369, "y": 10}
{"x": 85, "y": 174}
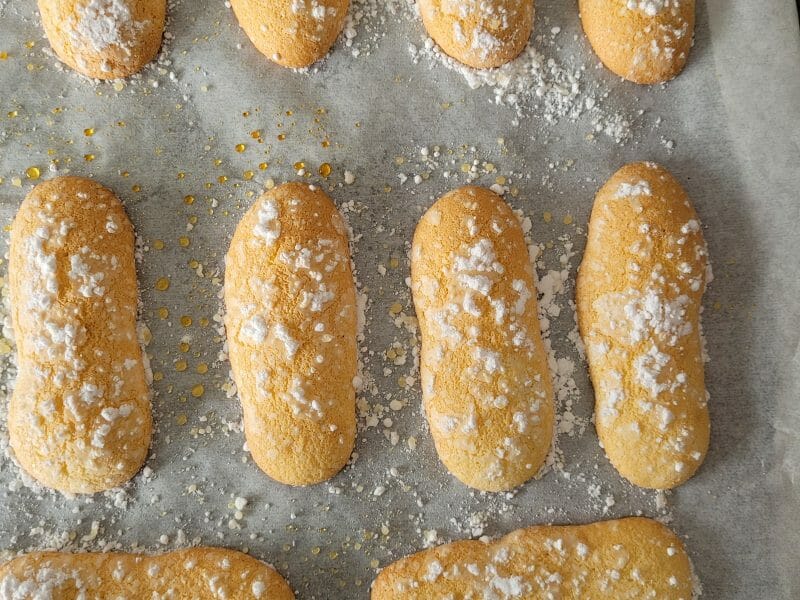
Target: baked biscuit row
{"x": 79, "y": 418}
{"x": 627, "y": 558}
{"x": 484, "y": 372}
{"x": 645, "y": 41}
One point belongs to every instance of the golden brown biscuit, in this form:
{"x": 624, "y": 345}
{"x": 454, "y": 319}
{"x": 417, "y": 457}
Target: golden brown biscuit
{"x": 291, "y": 325}
{"x": 105, "y": 39}
{"x": 628, "y": 558}
{"x": 292, "y": 33}
{"x": 644, "y": 41}
{"x": 639, "y": 295}
{"x": 485, "y": 380}
{"x": 79, "y": 419}
{"x": 479, "y": 33}
{"x": 193, "y": 574}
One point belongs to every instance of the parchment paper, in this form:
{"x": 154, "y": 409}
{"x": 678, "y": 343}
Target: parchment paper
{"x": 734, "y": 123}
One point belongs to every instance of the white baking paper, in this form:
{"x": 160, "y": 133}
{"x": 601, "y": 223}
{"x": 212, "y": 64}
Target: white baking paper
{"x": 407, "y": 128}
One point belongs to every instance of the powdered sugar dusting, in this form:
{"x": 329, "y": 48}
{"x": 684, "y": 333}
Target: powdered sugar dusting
{"x": 104, "y": 23}
{"x": 536, "y": 84}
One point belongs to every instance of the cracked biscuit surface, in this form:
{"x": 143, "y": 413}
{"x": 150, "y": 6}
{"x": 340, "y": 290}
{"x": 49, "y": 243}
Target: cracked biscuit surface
{"x": 79, "y": 418}
{"x": 291, "y": 325}
{"x": 644, "y": 41}
{"x": 292, "y": 33}
{"x": 485, "y": 381}
{"x": 479, "y": 33}
{"x": 192, "y": 574}
{"x": 104, "y": 39}
{"x": 626, "y": 558}
{"x": 639, "y": 296}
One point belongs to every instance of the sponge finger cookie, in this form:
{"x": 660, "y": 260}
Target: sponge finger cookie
{"x": 644, "y": 41}
{"x": 291, "y": 326}
{"x": 196, "y": 573}
{"x": 628, "y": 558}
{"x": 292, "y": 33}
{"x": 485, "y": 381}
{"x": 639, "y": 295}
{"x": 79, "y": 418}
{"x": 104, "y": 39}
{"x": 479, "y": 33}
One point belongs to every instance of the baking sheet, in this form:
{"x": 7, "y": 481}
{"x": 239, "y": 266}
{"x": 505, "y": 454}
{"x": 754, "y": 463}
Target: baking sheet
{"x": 728, "y": 127}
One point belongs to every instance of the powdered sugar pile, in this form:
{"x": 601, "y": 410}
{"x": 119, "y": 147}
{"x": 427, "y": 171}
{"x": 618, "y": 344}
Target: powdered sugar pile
{"x": 536, "y": 84}
{"x": 552, "y": 286}
{"x": 104, "y": 23}
{"x": 365, "y": 24}
{"x": 649, "y": 7}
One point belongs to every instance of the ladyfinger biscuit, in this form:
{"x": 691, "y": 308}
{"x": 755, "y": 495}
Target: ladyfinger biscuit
{"x": 639, "y": 294}
{"x": 628, "y": 558}
{"x": 79, "y": 418}
{"x": 479, "y": 33}
{"x": 292, "y": 33}
{"x": 485, "y": 380}
{"x": 644, "y": 41}
{"x": 104, "y": 39}
{"x": 193, "y": 574}
{"x": 291, "y": 326}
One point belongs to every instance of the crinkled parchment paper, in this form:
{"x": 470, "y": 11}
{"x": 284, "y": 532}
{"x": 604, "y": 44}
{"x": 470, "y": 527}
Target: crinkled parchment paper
{"x": 408, "y": 128}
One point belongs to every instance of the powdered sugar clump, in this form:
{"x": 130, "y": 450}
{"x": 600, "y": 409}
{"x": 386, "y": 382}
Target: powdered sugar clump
{"x": 104, "y": 23}
{"x": 649, "y": 7}
{"x": 365, "y": 24}
{"x": 535, "y": 84}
